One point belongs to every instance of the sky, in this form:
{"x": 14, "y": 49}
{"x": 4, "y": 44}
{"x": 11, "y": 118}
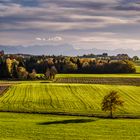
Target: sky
{"x": 85, "y": 24}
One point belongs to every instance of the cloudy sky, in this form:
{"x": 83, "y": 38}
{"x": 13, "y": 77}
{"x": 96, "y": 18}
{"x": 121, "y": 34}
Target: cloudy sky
{"x": 103, "y": 24}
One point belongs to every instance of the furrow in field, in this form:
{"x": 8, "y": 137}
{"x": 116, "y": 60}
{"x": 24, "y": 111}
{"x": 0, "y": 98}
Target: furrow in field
{"x": 73, "y": 91}
{"x": 85, "y": 97}
{"x": 55, "y": 100}
{"x": 7, "y": 100}
{"x": 59, "y": 93}
{"x": 132, "y": 103}
{"x": 67, "y": 98}
{"x": 41, "y": 90}
{"x": 3, "y": 98}
{"x": 56, "y": 93}
{"x": 49, "y": 98}
{"x": 36, "y": 95}
{"x": 17, "y": 101}
{"x": 43, "y": 98}
{"x": 24, "y": 90}
{"x": 92, "y": 96}
{"x": 70, "y": 101}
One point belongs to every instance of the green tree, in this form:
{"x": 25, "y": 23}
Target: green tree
{"x": 111, "y": 102}
{"x": 135, "y": 58}
{"x": 4, "y": 72}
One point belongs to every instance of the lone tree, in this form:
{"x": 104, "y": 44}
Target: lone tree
{"x": 111, "y": 102}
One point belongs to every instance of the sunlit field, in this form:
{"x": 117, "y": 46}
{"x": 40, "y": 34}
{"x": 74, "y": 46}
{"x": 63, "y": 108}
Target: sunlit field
{"x": 51, "y": 127}
{"x": 44, "y": 109}
{"x": 98, "y": 75}
{"x": 67, "y": 98}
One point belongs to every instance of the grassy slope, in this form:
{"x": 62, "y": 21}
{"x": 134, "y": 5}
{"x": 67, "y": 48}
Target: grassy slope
{"x": 41, "y": 127}
{"x": 69, "y": 98}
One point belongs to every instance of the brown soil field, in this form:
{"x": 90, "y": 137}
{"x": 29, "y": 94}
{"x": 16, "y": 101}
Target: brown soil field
{"x": 109, "y": 81}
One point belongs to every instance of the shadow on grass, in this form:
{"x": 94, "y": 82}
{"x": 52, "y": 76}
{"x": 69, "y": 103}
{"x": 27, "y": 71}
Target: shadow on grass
{"x": 67, "y": 121}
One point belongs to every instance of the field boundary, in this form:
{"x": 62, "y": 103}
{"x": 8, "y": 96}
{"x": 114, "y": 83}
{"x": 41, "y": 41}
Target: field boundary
{"x": 76, "y": 114}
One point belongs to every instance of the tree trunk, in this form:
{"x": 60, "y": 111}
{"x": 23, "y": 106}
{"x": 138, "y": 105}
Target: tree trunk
{"x": 111, "y": 113}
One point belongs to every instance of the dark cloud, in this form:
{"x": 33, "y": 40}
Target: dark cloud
{"x": 28, "y": 3}
{"x": 79, "y": 4}
{"x": 69, "y": 18}
{"x": 133, "y": 7}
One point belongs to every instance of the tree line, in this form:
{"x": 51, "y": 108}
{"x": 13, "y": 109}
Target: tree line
{"x": 14, "y": 66}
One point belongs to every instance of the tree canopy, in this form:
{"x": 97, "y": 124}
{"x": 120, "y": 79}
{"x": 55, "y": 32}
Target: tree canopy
{"x": 111, "y": 102}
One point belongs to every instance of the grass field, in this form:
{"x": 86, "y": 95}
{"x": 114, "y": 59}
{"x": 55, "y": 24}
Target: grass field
{"x": 67, "y": 98}
{"x": 138, "y": 69}
{"x": 98, "y": 75}
{"x": 16, "y": 126}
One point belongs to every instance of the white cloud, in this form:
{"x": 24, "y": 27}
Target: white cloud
{"x": 38, "y": 38}
{"x": 54, "y": 38}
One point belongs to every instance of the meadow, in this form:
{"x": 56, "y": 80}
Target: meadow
{"x": 138, "y": 69}
{"x": 15, "y": 126}
{"x": 47, "y": 110}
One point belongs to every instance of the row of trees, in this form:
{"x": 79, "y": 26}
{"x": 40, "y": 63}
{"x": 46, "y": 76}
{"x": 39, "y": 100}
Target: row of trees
{"x": 24, "y": 68}
{"x": 15, "y": 69}
{"x": 80, "y": 65}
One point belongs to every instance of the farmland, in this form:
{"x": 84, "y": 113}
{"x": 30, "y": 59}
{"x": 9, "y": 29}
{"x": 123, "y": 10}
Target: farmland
{"x": 69, "y": 110}
{"x": 98, "y": 75}
{"x": 67, "y": 99}
{"x": 100, "y": 80}
{"x": 138, "y": 69}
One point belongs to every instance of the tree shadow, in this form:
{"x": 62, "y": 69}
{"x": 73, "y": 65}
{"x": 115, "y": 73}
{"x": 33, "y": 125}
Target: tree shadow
{"x": 67, "y": 121}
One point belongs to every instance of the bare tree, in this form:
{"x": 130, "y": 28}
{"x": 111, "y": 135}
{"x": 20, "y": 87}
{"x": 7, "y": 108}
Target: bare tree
{"x": 48, "y": 73}
{"x": 53, "y": 72}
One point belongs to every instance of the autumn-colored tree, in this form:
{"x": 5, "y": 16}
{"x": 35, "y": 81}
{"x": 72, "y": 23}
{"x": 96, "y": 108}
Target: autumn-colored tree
{"x": 47, "y": 73}
{"x": 9, "y": 64}
{"x": 22, "y": 73}
{"x": 111, "y": 102}
{"x": 53, "y": 72}
{"x": 33, "y": 74}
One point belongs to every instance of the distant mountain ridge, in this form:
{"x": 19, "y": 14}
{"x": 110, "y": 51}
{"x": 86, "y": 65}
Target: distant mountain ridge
{"x": 64, "y": 49}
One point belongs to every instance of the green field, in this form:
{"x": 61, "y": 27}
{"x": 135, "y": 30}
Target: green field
{"x": 98, "y": 75}
{"x": 138, "y": 69}
{"x": 67, "y": 98}
{"x": 82, "y": 100}
{"x": 16, "y": 126}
